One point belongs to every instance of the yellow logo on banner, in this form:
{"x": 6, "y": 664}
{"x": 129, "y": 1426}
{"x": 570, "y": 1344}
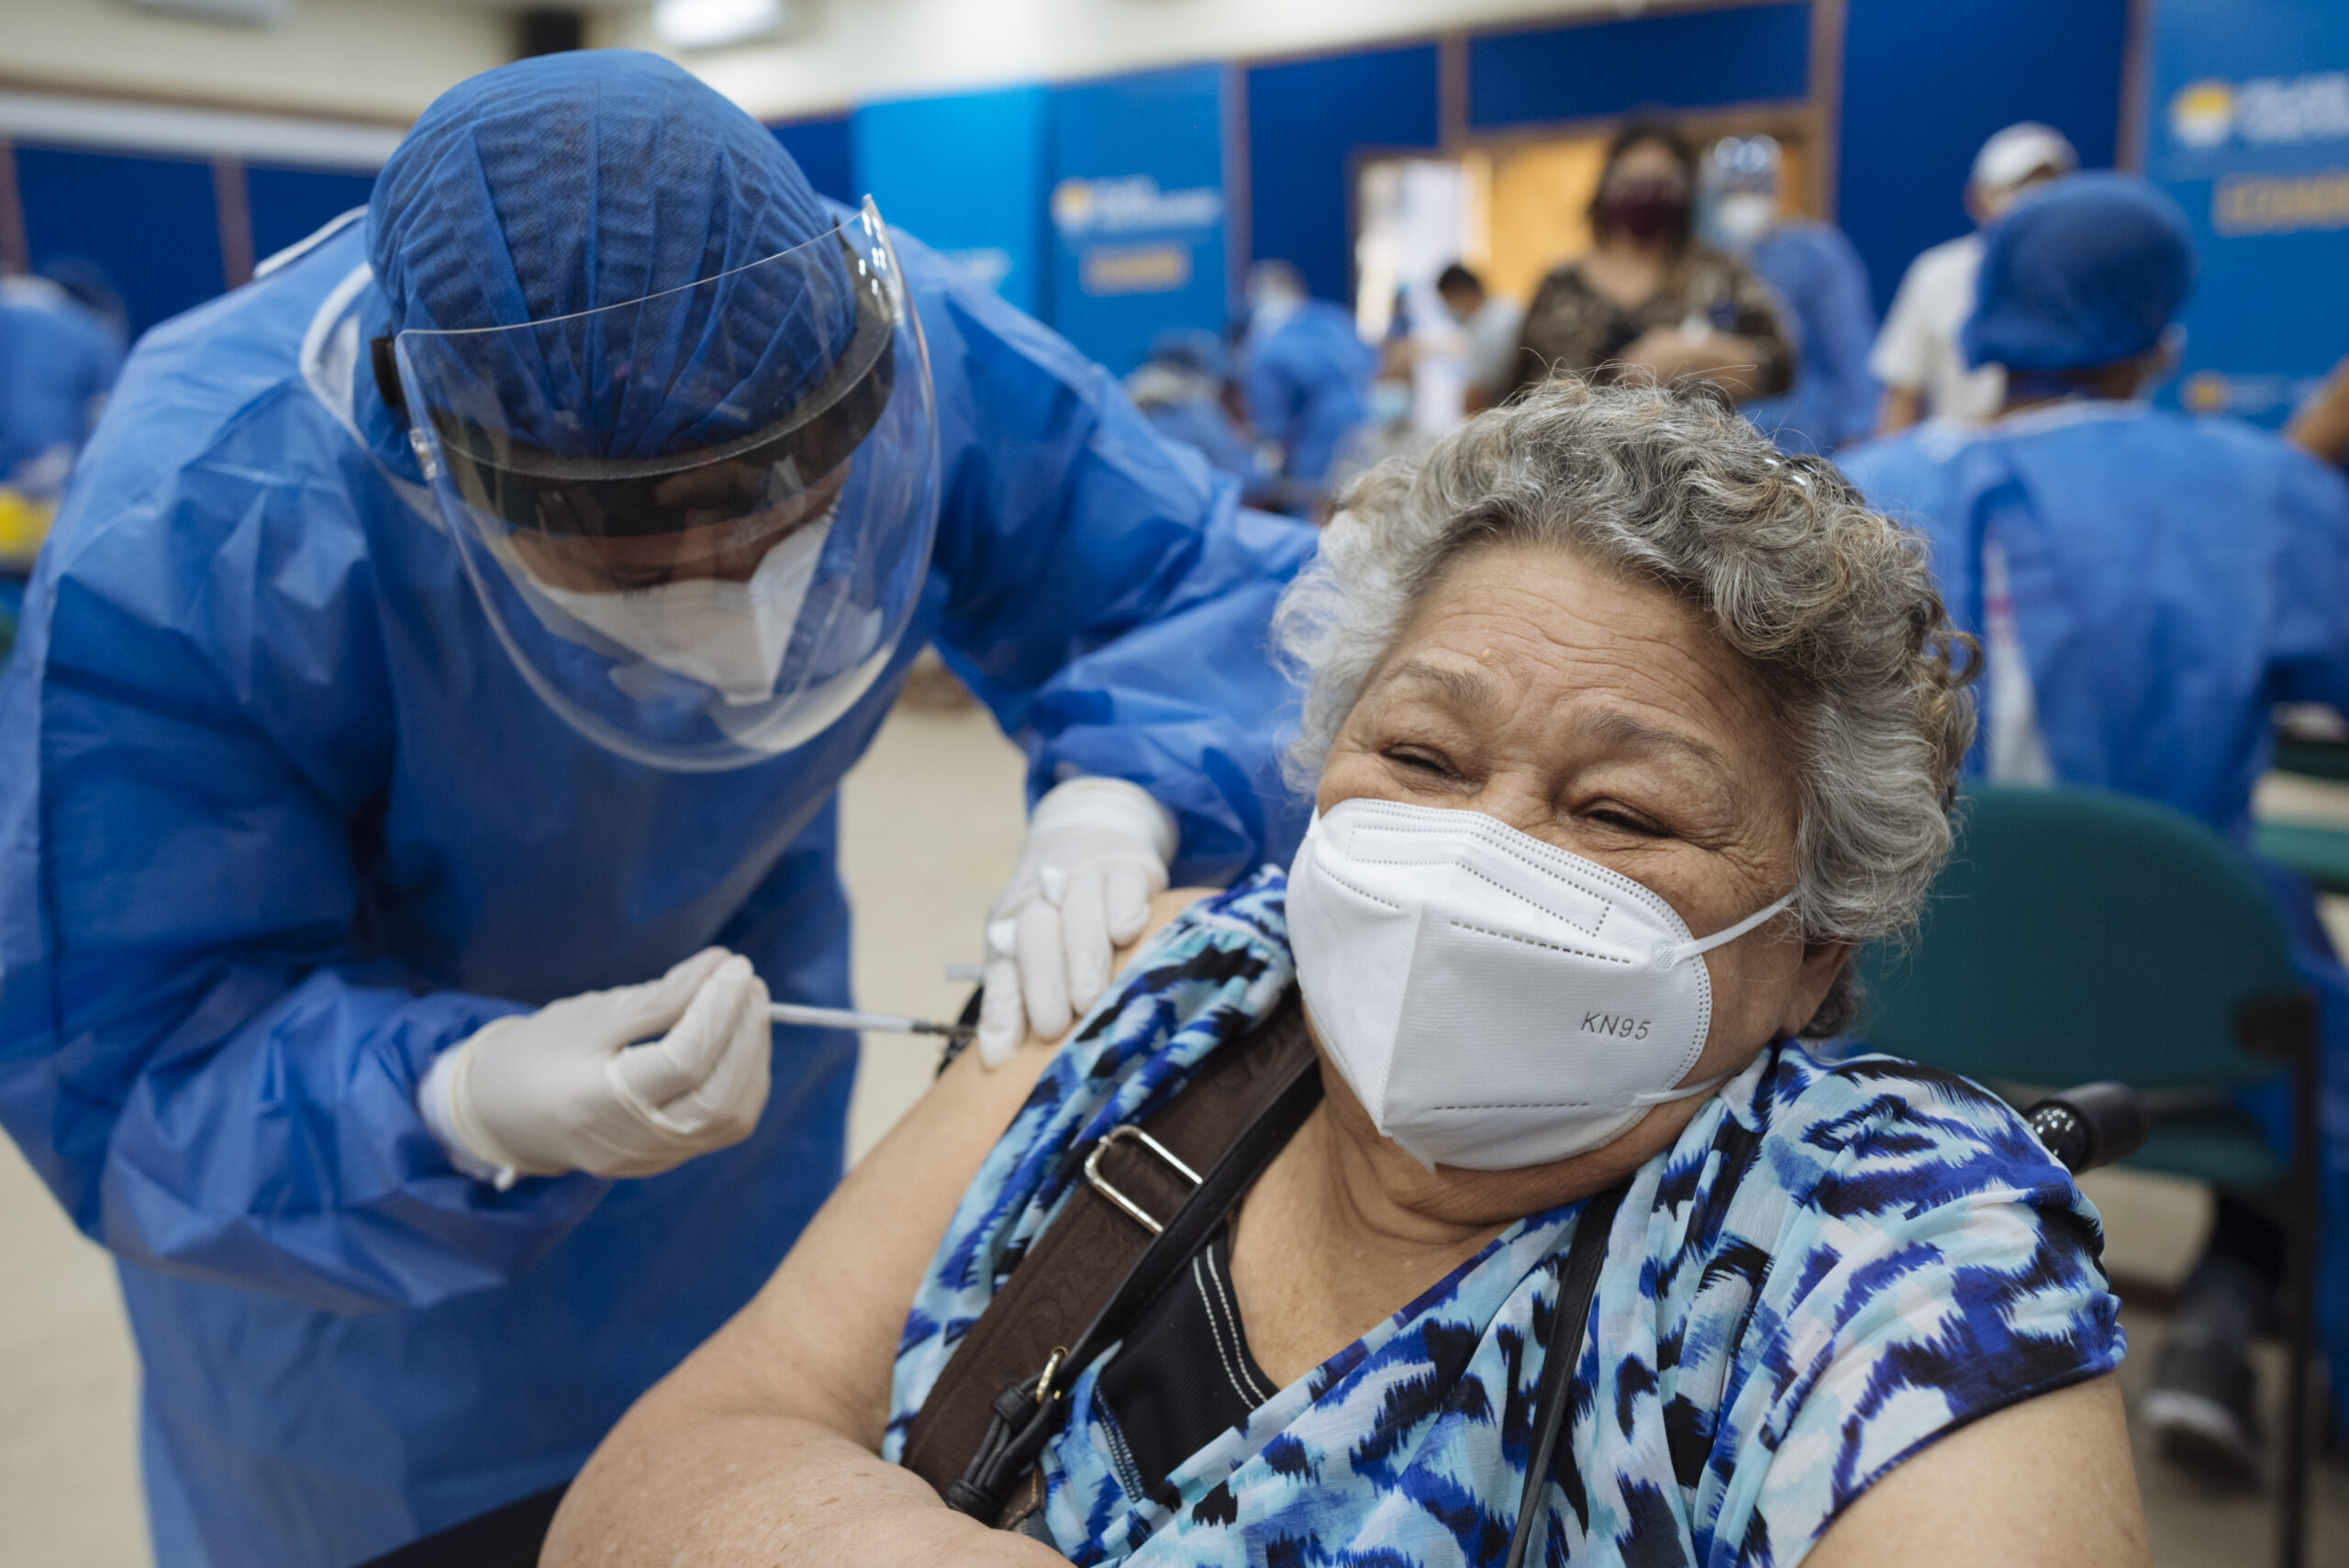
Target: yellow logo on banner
{"x": 2202, "y": 114}
{"x": 1072, "y": 206}
{"x": 2204, "y": 392}
{"x": 1131, "y": 203}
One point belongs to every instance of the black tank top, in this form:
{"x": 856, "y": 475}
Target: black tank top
{"x": 1183, "y": 1376}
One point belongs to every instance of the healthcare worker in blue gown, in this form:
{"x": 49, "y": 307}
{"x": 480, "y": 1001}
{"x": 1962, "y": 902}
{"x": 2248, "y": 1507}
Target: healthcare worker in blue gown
{"x": 1305, "y": 373}
{"x": 1815, "y": 272}
{"x": 2146, "y": 585}
{"x": 419, "y": 769}
{"x": 1179, "y": 387}
{"x": 58, "y": 359}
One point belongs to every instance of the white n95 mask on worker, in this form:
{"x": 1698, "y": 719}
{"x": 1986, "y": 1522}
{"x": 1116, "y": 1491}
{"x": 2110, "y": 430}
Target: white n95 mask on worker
{"x": 1493, "y": 1001}
{"x": 731, "y": 636}
{"x": 1743, "y": 217}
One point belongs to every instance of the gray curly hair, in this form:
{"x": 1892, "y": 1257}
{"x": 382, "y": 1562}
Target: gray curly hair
{"x": 1828, "y": 602}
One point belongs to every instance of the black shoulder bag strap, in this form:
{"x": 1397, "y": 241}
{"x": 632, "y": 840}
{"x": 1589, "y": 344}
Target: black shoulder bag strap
{"x": 1240, "y": 1126}
{"x": 1577, "y": 1279}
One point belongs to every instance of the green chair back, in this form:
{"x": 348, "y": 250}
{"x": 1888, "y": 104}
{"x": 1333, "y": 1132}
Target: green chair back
{"x": 2317, "y": 851}
{"x": 2077, "y": 935}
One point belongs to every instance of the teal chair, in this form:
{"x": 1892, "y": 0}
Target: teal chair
{"x": 2079, "y": 935}
{"x": 2315, "y": 849}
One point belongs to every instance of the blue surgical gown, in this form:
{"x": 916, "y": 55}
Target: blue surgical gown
{"x": 57, "y": 360}
{"x": 1813, "y": 268}
{"x": 1307, "y": 382}
{"x": 280, "y": 820}
{"x": 2172, "y": 578}
{"x": 1199, "y": 422}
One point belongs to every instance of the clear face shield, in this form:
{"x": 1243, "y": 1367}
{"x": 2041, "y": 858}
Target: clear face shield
{"x": 720, "y": 600}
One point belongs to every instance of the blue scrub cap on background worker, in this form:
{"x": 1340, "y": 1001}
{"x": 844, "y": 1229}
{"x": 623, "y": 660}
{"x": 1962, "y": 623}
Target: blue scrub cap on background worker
{"x": 2090, "y": 270}
{"x": 572, "y": 182}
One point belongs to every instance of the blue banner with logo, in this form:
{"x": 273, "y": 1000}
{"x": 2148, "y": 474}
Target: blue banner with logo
{"x": 964, "y": 174}
{"x": 2249, "y": 130}
{"x": 1138, "y": 210}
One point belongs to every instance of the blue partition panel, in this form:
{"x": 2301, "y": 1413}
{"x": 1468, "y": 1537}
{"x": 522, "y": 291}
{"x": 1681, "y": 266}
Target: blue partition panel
{"x": 1138, "y": 211}
{"x": 1306, "y": 119}
{"x": 1926, "y": 82}
{"x": 1687, "y": 59}
{"x": 151, "y": 223}
{"x": 2249, "y": 129}
{"x": 821, "y": 148}
{"x": 290, "y": 205}
{"x": 966, "y": 174}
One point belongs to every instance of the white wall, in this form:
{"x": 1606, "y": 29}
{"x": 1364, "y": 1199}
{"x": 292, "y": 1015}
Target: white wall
{"x": 839, "y": 53}
{"x": 370, "y": 59}
{"x": 385, "y": 59}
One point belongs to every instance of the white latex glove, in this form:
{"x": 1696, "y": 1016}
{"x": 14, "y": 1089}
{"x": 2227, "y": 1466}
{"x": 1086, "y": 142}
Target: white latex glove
{"x": 1097, "y": 854}
{"x": 567, "y": 1087}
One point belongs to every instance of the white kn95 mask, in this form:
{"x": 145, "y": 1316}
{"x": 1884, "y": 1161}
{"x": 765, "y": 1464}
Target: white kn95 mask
{"x": 731, "y": 636}
{"x": 1493, "y": 1001}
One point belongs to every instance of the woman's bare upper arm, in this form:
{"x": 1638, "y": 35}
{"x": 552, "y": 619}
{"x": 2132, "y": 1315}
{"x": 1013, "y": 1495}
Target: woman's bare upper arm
{"x": 2044, "y": 1484}
{"x": 820, "y": 1340}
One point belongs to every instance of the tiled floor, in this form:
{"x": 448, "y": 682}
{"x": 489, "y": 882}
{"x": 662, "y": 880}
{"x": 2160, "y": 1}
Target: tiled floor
{"x": 931, "y": 824}
{"x": 2194, "y": 1526}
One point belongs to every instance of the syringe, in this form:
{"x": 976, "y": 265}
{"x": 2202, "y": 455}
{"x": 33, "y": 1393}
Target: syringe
{"x": 880, "y": 1023}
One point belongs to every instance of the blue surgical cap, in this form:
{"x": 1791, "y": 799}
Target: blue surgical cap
{"x": 1192, "y": 349}
{"x": 572, "y": 182}
{"x": 2086, "y": 271}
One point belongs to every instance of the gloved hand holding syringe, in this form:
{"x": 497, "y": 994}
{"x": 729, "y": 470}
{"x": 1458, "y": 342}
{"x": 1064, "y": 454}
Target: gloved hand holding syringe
{"x": 628, "y": 1082}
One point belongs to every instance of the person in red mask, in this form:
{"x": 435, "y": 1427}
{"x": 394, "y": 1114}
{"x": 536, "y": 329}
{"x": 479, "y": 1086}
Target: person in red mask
{"x": 1648, "y": 298}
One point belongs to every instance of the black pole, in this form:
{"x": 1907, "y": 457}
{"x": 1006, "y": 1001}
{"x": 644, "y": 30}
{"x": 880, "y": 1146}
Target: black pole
{"x": 548, "y": 29}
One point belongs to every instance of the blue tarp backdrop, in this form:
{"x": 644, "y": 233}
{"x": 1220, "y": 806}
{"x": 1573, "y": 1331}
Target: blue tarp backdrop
{"x": 289, "y": 205}
{"x": 153, "y": 224}
{"x": 1693, "y": 60}
{"x": 2247, "y": 126}
{"x": 823, "y": 149}
{"x": 967, "y": 175}
{"x": 1922, "y": 82}
{"x": 1926, "y": 82}
{"x": 1308, "y": 119}
{"x": 1138, "y": 210}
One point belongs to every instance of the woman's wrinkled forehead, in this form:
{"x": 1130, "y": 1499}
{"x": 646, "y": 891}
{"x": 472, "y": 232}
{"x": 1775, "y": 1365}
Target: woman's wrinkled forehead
{"x": 1534, "y": 637}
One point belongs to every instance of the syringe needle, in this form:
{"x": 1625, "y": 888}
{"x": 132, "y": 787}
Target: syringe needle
{"x": 848, "y": 1019}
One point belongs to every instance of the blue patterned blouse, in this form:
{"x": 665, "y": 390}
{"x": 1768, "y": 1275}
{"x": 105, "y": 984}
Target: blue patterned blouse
{"x": 1831, "y": 1267}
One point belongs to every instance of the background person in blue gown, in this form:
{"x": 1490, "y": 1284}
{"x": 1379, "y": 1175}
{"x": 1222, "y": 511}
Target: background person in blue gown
{"x": 1183, "y": 390}
{"x": 58, "y": 359}
{"x": 1821, "y": 282}
{"x": 392, "y": 687}
{"x": 2146, "y": 586}
{"x": 1306, "y": 373}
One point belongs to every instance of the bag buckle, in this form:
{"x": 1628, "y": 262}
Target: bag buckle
{"x": 1100, "y": 1183}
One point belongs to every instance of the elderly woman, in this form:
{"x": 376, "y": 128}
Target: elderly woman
{"x": 1625, "y": 732}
